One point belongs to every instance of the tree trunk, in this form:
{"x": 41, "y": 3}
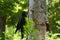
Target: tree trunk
{"x": 2, "y": 27}
{"x": 37, "y": 11}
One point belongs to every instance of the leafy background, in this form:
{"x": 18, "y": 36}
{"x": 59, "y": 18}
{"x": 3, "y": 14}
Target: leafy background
{"x": 12, "y": 10}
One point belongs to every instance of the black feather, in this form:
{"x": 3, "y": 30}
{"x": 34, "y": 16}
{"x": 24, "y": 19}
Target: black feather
{"x": 20, "y": 24}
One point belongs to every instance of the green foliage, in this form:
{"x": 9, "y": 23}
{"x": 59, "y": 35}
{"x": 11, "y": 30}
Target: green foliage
{"x": 55, "y": 36}
{"x": 9, "y": 34}
{"x": 13, "y": 8}
{"x": 10, "y": 31}
{"x": 54, "y": 15}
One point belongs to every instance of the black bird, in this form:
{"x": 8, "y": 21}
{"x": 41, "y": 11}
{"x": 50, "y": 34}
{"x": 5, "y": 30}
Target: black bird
{"x": 20, "y": 24}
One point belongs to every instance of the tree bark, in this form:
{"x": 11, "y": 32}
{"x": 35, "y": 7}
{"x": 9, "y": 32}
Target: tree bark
{"x": 37, "y": 11}
{"x": 2, "y": 27}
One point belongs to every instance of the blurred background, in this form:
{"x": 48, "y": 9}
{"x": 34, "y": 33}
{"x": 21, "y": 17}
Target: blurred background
{"x": 10, "y": 11}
